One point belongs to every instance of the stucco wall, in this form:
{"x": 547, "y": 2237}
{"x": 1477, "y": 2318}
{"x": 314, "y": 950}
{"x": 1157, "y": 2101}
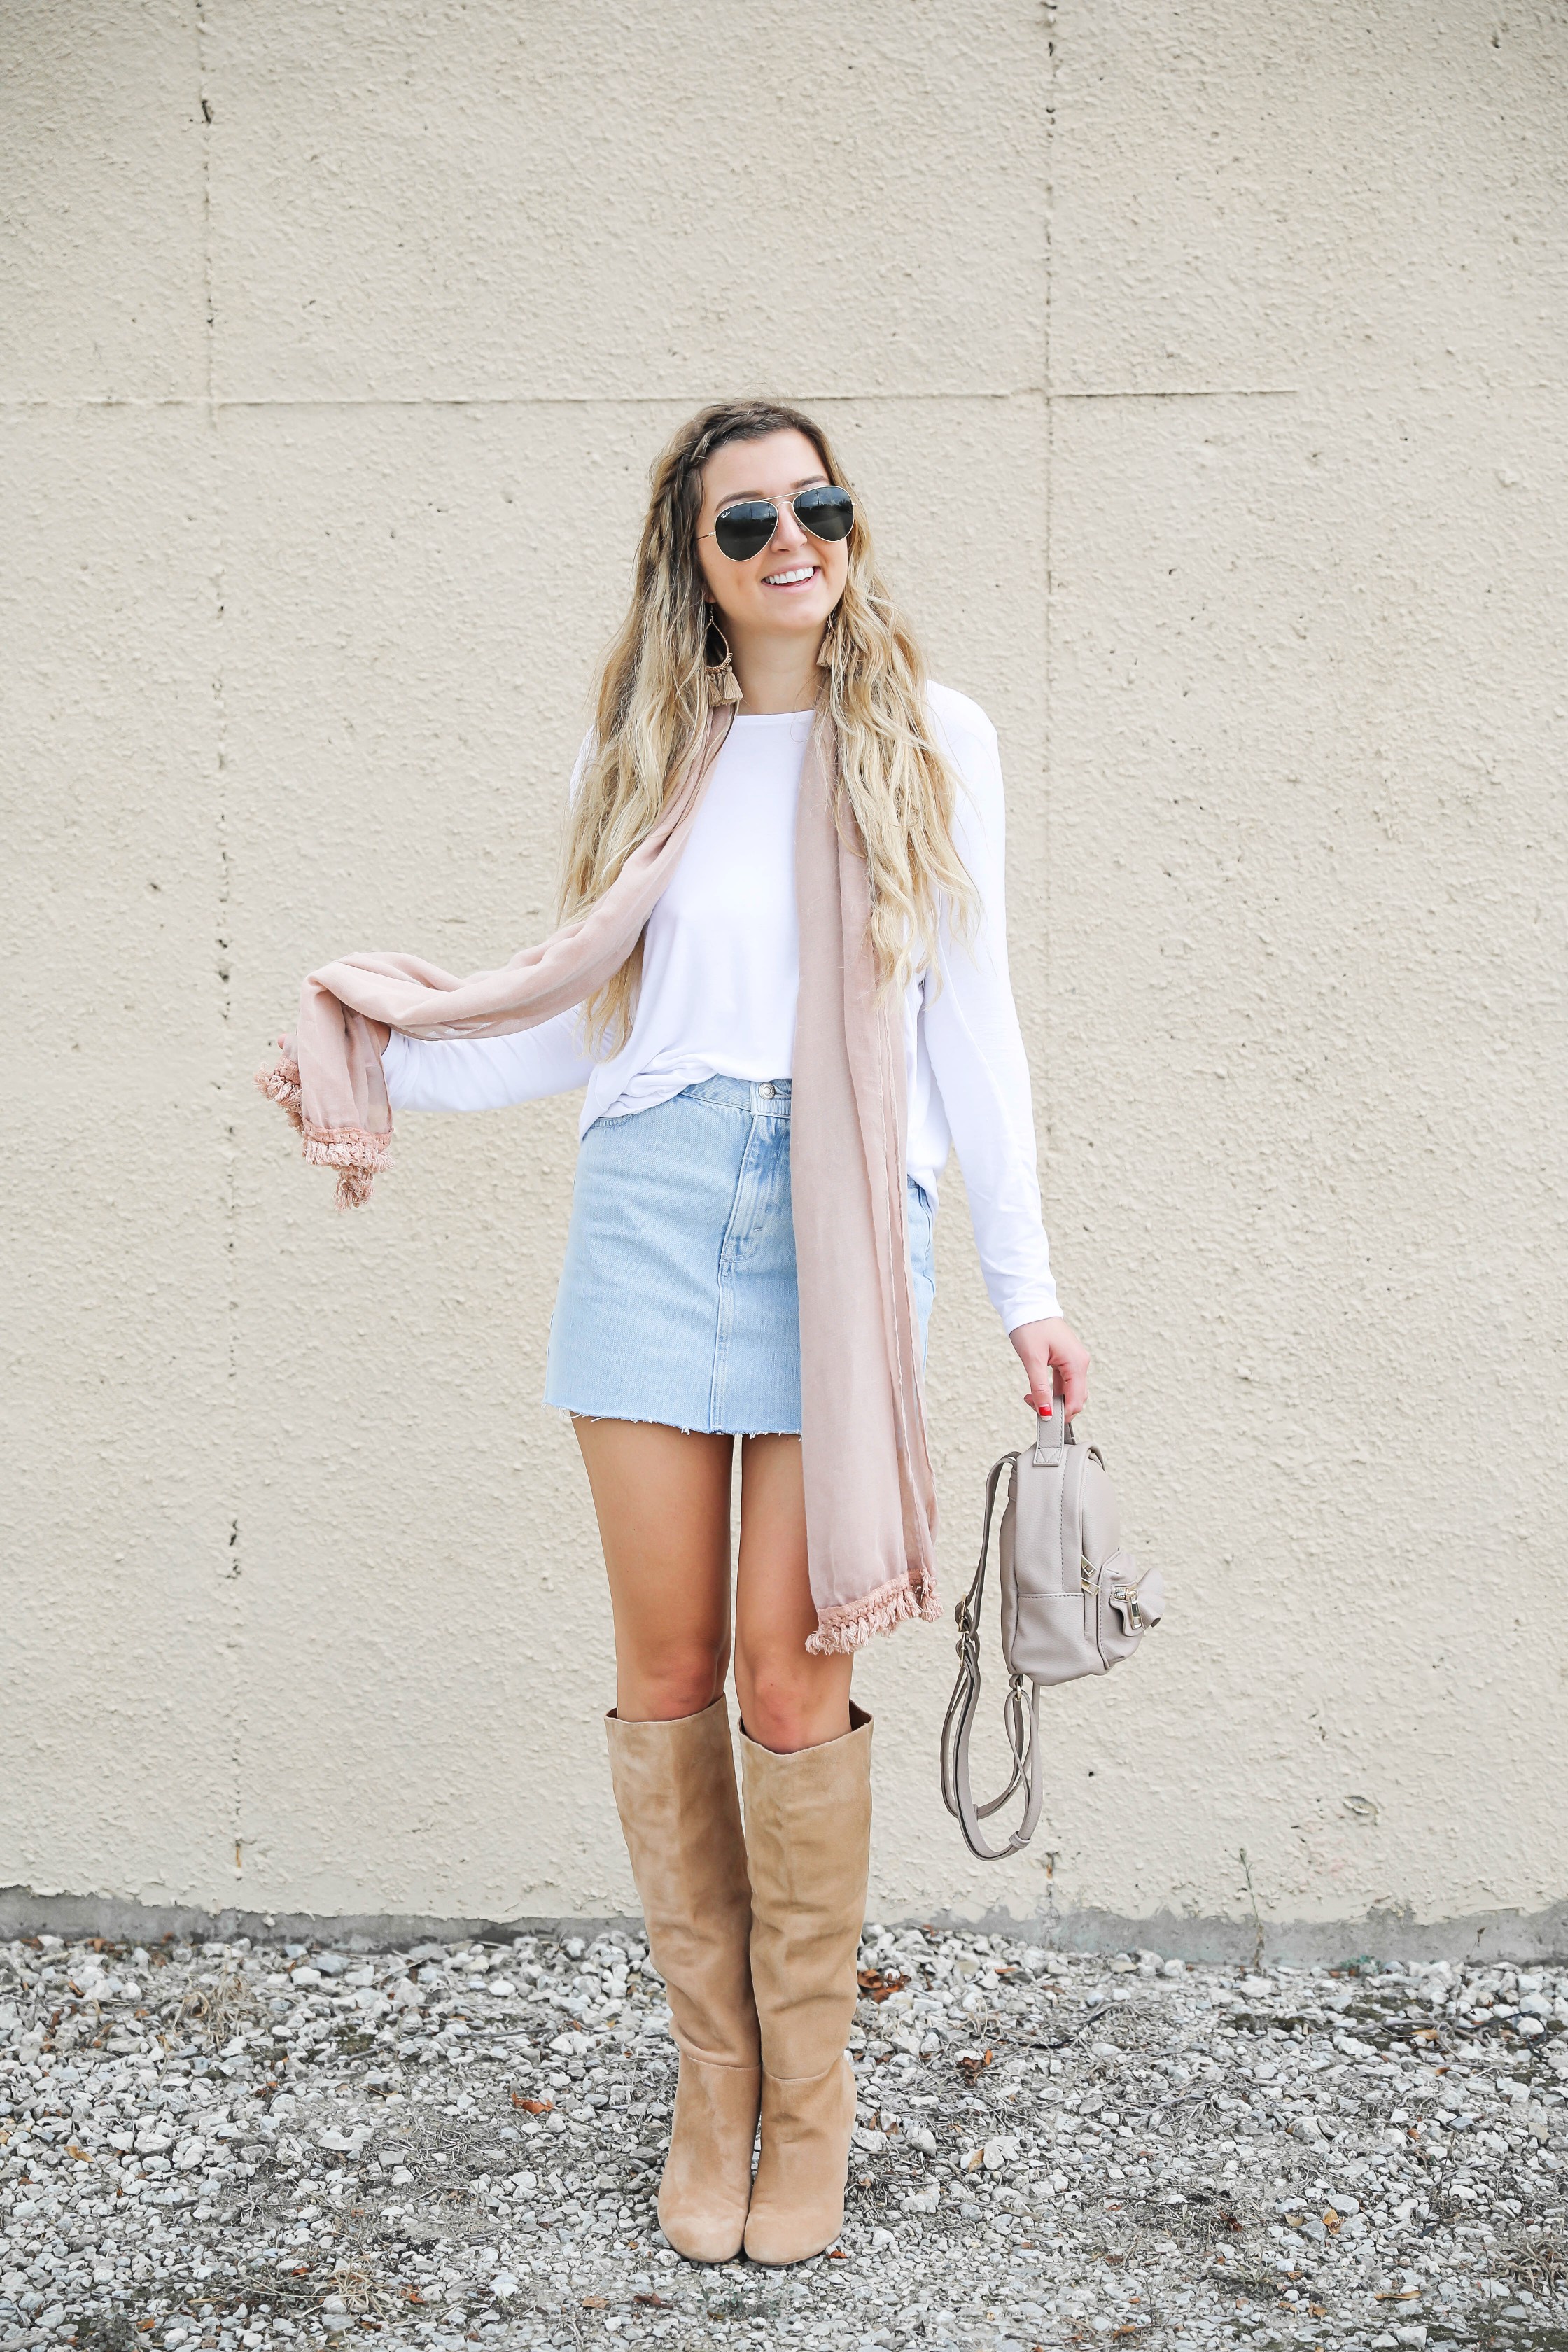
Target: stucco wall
{"x": 1203, "y": 369}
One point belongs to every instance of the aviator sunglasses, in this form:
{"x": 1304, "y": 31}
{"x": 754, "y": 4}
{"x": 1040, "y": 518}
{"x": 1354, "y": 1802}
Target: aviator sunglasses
{"x": 744, "y": 530}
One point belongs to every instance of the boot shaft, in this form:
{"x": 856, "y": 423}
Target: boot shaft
{"x": 809, "y": 1837}
{"x": 680, "y": 1812}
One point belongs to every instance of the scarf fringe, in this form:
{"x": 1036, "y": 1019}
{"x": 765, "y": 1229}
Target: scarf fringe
{"x": 357, "y": 1156}
{"x": 279, "y": 1082}
{"x": 840, "y": 1630}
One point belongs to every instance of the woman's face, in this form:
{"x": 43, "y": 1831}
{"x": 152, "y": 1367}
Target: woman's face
{"x": 793, "y": 585}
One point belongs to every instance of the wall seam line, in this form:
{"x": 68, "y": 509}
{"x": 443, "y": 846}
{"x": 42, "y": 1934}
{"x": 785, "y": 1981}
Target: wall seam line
{"x": 1048, "y": 677}
{"x": 391, "y": 402}
{"x": 224, "y": 964}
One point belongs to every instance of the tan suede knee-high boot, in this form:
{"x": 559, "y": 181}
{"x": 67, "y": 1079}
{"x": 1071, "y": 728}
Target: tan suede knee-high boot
{"x": 675, "y": 1792}
{"x": 808, "y": 1841}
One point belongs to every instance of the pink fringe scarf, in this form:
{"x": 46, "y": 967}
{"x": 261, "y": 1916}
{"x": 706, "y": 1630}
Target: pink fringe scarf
{"x": 870, "y": 1503}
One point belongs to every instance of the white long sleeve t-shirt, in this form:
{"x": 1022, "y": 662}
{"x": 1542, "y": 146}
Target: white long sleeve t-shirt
{"x": 721, "y": 973}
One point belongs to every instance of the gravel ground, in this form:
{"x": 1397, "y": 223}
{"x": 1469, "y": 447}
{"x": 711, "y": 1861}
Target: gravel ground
{"x": 287, "y": 2145}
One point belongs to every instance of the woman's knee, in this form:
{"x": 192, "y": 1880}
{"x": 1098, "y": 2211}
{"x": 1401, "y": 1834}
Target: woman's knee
{"x": 670, "y": 1682}
{"x": 787, "y": 1708}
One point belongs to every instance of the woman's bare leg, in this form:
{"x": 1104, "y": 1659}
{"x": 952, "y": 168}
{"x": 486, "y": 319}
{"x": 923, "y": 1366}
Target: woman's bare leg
{"x": 662, "y": 1497}
{"x": 788, "y": 1699}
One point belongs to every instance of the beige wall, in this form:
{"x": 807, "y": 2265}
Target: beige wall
{"x": 1204, "y": 369}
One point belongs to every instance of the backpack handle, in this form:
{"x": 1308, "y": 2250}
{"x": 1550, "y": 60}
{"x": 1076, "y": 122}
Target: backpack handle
{"x": 1053, "y": 1430}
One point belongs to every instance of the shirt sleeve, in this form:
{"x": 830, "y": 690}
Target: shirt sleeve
{"x": 977, "y": 1050}
{"x": 486, "y": 1073}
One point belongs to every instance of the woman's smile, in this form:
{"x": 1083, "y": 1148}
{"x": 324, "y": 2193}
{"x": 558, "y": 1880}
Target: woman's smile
{"x": 800, "y": 575}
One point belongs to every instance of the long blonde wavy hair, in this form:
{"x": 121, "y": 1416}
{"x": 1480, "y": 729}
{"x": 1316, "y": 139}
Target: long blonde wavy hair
{"x": 896, "y": 787}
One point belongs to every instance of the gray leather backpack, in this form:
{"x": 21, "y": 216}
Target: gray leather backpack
{"x": 1072, "y": 1604}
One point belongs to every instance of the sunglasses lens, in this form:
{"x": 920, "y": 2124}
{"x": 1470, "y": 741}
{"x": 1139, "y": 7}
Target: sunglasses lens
{"x": 745, "y": 530}
{"x": 826, "y": 513}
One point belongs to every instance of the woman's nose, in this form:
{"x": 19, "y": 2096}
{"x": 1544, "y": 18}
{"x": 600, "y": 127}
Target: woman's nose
{"x": 789, "y": 538}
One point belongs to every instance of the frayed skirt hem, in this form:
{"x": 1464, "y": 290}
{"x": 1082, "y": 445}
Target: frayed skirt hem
{"x": 658, "y": 1420}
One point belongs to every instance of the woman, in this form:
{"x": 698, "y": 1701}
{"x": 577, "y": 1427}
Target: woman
{"x": 783, "y": 925}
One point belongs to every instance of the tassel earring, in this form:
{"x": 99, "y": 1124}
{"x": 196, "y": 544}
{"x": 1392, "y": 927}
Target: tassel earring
{"x": 719, "y": 668}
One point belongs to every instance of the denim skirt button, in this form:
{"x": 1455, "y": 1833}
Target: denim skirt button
{"x": 767, "y": 1090}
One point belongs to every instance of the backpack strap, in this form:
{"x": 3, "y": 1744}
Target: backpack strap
{"x": 1023, "y": 1721}
{"x": 1052, "y": 1431}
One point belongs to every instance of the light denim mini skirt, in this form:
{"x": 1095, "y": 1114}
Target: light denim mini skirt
{"x": 678, "y": 1300}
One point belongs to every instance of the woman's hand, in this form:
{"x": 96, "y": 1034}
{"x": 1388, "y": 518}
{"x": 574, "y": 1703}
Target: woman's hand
{"x": 1048, "y": 1348}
